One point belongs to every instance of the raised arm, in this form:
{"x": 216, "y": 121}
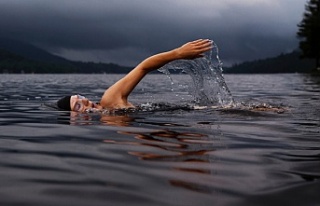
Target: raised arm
{"x": 116, "y": 96}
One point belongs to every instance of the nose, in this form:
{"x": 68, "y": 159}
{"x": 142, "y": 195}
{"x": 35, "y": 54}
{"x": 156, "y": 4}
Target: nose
{"x": 85, "y": 102}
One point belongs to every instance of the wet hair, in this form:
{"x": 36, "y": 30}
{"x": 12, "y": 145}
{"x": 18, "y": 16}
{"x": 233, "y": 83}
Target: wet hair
{"x": 64, "y": 103}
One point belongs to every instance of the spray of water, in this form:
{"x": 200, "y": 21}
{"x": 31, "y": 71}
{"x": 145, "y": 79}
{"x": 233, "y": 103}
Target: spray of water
{"x": 209, "y": 87}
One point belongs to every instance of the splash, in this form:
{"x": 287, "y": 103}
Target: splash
{"x": 209, "y": 87}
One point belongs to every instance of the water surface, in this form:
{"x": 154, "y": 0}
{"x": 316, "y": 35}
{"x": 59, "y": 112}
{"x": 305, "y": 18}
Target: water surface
{"x": 169, "y": 155}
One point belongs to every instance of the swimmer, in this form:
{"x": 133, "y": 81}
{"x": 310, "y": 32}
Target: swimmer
{"x": 116, "y": 96}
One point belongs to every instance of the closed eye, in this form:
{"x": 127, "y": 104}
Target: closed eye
{"x": 77, "y": 107}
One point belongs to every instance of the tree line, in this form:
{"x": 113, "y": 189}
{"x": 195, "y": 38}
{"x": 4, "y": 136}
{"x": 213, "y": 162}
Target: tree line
{"x": 309, "y": 32}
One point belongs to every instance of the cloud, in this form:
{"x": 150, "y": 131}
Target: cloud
{"x": 125, "y": 32}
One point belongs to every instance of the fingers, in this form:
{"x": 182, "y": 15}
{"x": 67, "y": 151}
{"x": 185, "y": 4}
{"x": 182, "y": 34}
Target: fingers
{"x": 197, "y": 41}
{"x": 203, "y": 44}
{"x": 195, "y": 49}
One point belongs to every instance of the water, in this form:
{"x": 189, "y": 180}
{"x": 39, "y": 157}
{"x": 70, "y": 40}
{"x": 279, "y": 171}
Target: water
{"x": 168, "y": 156}
{"x": 209, "y": 87}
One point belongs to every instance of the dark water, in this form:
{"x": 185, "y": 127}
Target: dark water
{"x": 167, "y": 156}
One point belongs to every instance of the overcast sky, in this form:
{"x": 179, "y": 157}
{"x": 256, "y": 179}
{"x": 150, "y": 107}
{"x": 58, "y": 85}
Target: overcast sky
{"x": 127, "y": 31}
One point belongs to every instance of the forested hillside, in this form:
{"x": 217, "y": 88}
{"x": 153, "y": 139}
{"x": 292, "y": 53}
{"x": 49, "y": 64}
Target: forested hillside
{"x": 284, "y": 63}
{"x": 18, "y": 57}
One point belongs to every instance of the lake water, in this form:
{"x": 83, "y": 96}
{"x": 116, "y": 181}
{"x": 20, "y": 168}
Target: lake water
{"x": 169, "y": 155}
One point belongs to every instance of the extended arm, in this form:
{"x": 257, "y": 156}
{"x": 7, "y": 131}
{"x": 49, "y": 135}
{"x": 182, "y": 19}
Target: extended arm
{"x": 116, "y": 96}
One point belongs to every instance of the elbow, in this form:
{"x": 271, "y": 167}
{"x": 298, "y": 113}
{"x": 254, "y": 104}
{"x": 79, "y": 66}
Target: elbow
{"x": 145, "y": 68}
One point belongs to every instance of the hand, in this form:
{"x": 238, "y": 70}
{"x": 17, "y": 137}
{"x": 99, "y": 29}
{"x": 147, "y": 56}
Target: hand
{"x": 194, "y": 49}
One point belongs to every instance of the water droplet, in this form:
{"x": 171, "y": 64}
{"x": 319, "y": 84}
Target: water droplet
{"x": 209, "y": 87}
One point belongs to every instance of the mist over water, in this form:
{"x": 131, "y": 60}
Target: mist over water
{"x": 208, "y": 84}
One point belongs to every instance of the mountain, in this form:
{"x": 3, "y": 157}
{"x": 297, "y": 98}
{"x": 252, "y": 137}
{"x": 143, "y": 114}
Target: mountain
{"x": 13, "y": 63}
{"x": 29, "y": 51}
{"x": 20, "y": 57}
{"x": 284, "y": 63}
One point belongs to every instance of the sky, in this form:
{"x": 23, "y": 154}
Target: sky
{"x": 127, "y": 31}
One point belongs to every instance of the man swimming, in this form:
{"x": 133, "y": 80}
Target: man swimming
{"x": 116, "y": 96}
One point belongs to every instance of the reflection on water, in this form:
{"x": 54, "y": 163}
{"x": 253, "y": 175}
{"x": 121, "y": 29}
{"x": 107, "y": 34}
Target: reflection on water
{"x": 190, "y": 152}
{"x": 182, "y": 144}
{"x": 106, "y": 119}
{"x": 167, "y": 153}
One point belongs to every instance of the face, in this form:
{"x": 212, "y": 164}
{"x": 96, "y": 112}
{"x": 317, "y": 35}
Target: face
{"x": 79, "y": 103}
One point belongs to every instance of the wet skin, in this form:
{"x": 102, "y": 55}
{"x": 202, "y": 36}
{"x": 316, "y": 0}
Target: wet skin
{"x": 79, "y": 103}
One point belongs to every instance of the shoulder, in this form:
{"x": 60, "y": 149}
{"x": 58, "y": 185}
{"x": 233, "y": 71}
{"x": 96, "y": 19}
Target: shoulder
{"x": 115, "y": 103}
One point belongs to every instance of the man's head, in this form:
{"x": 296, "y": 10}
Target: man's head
{"x": 64, "y": 103}
{"x": 75, "y": 103}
